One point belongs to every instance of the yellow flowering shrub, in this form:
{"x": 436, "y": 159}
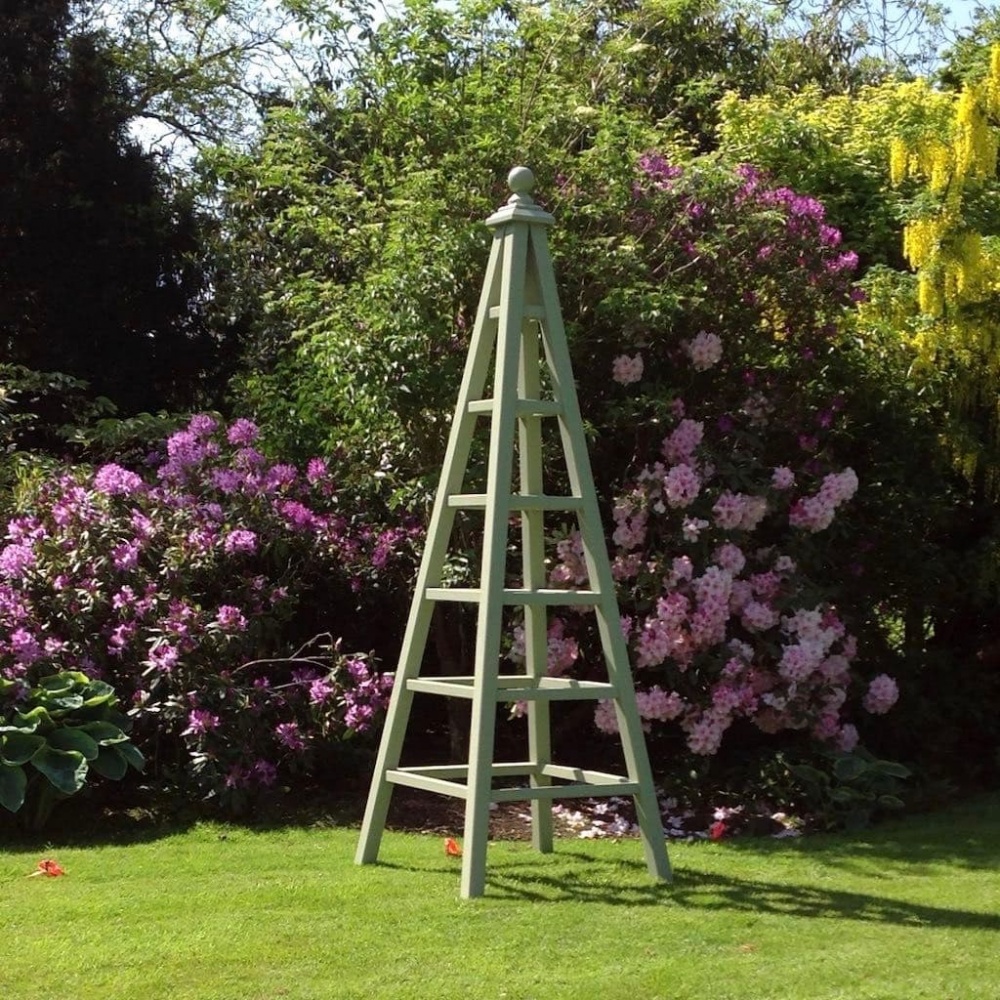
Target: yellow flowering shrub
{"x": 931, "y": 156}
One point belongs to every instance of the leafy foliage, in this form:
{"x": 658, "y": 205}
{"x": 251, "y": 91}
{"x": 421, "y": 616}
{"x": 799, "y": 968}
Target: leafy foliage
{"x": 182, "y": 593}
{"x": 851, "y": 789}
{"x": 99, "y": 279}
{"x": 950, "y": 240}
{"x": 61, "y": 727}
{"x": 836, "y": 147}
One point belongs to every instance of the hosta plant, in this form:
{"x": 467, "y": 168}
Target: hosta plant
{"x": 54, "y": 735}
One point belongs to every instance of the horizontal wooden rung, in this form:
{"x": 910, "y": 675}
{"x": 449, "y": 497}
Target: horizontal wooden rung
{"x": 452, "y": 780}
{"x": 522, "y": 407}
{"x": 427, "y": 783}
{"x": 528, "y": 312}
{"x": 517, "y": 687}
{"x": 517, "y": 501}
{"x": 519, "y": 596}
{"x": 551, "y": 792}
{"x": 585, "y": 775}
{"x": 466, "y": 594}
{"x": 556, "y": 598}
{"x": 448, "y": 772}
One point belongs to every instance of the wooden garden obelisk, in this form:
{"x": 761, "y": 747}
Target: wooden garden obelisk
{"x": 518, "y": 328}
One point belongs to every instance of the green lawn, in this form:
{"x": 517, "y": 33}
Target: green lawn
{"x": 908, "y": 910}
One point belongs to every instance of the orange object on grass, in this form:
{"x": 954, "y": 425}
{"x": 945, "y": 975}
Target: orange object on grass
{"x": 49, "y": 867}
{"x": 451, "y": 848}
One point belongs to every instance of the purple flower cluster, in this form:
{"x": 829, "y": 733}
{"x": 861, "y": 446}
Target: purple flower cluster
{"x": 166, "y": 586}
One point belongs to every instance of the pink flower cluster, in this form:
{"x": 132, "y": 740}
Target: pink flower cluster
{"x": 738, "y": 511}
{"x": 630, "y": 524}
{"x": 625, "y": 370}
{"x": 570, "y": 568}
{"x": 728, "y": 635}
{"x": 562, "y": 650}
{"x": 705, "y": 351}
{"x": 815, "y": 513}
{"x": 882, "y": 694}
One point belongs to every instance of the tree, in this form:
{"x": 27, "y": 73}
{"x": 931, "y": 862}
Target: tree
{"x": 868, "y": 39}
{"x": 98, "y": 277}
{"x": 967, "y": 58}
{"x": 952, "y": 241}
{"x": 836, "y": 147}
{"x": 203, "y": 72}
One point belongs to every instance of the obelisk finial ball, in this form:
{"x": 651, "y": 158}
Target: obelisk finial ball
{"x": 521, "y": 180}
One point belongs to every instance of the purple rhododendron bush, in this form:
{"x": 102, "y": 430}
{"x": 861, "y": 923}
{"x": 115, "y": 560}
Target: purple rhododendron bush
{"x": 186, "y": 588}
{"x": 722, "y": 425}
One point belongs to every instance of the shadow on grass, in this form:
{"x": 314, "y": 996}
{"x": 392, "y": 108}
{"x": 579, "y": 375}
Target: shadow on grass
{"x": 711, "y": 891}
{"x": 149, "y": 815}
{"x": 90, "y": 821}
{"x": 599, "y": 882}
{"x": 962, "y": 836}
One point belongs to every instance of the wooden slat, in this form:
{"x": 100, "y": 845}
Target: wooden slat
{"x": 518, "y": 501}
{"x": 551, "y": 792}
{"x": 470, "y": 595}
{"x": 554, "y": 598}
{"x": 440, "y": 779}
{"x": 528, "y": 312}
{"x": 517, "y": 688}
{"x": 522, "y": 407}
{"x": 426, "y": 783}
{"x": 450, "y": 687}
{"x": 549, "y": 598}
{"x": 500, "y": 769}
{"x": 584, "y": 776}
{"x": 468, "y": 501}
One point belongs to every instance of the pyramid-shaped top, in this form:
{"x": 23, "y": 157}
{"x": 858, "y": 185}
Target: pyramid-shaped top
{"x": 520, "y": 205}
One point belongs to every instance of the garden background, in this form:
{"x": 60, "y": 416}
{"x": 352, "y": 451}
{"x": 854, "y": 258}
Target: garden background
{"x": 242, "y": 244}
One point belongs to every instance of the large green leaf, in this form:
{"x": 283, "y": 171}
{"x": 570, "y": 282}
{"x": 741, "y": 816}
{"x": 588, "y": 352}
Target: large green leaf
{"x": 19, "y": 746}
{"x": 38, "y": 716}
{"x": 65, "y": 769}
{"x": 849, "y": 768}
{"x": 57, "y": 684}
{"x": 72, "y": 738}
{"x": 891, "y": 801}
{"x": 132, "y": 754}
{"x": 27, "y": 727}
{"x": 99, "y": 693}
{"x": 104, "y": 732}
{"x": 13, "y": 782}
{"x": 63, "y": 702}
{"x": 110, "y": 763}
{"x": 892, "y": 768}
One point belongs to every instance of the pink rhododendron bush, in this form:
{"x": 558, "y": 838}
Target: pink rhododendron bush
{"x": 721, "y": 430}
{"x": 187, "y": 588}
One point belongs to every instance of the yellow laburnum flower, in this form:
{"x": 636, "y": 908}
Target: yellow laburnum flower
{"x": 920, "y": 238}
{"x": 952, "y": 281}
{"x": 970, "y": 273}
{"x": 929, "y": 296}
{"x": 933, "y": 159}
{"x": 975, "y": 146}
{"x": 993, "y": 82}
{"x": 899, "y": 157}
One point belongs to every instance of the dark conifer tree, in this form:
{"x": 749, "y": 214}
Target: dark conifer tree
{"x": 97, "y": 256}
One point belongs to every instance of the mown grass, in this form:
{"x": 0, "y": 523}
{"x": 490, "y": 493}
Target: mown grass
{"x": 909, "y": 910}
